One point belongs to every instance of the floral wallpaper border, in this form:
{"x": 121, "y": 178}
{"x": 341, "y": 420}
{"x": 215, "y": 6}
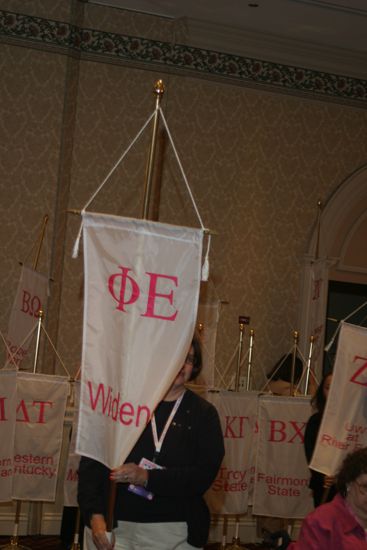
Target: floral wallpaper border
{"x": 175, "y": 56}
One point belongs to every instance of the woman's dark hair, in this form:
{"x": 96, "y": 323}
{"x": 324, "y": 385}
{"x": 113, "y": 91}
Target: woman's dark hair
{"x": 318, "y": 401}
{"x": 198, "y": 362}
{"x": 283, "y": 369}
{"x": 354, "y": 465}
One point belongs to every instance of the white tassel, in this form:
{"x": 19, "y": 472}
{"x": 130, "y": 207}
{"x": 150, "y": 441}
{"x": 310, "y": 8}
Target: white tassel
{"x": 77, "y": 242}
{"x": 205, "y": 266}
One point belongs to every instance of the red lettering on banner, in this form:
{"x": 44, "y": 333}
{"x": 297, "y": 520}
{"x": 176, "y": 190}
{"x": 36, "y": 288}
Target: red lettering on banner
{"x": 121, "y": 299}
{"x": 153, "y": 294}
{"x": 2, "y": 409}
{"x": 42, "y": 404}
{"x": 17, "y": 354}
{"x": 72, "y": 475}
{"x": 360, "y": 371}
{"x": 22, "y": 412}
{"x": 111, "y": 407}
{"x": 279, "y": 432}
{"x": 30, "y": 304}
{"x": 234, "y": 427}
{"x": 23, "y": 409}
{"x": 126, "y": 296}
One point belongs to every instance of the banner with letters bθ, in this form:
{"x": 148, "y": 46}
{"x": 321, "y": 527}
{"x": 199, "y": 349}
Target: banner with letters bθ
{"x": 238, "y": 414}
{"x": 344, "y": 424}
{"x": 40, "y": 411}
{"x": 282, "y": 475}
{"x": 31, "y": 296}
{"x": 8, "y": 386}
{"x": 142, "y": 282}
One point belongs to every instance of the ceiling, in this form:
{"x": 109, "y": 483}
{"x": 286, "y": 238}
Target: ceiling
{"x": 328, "y": 35}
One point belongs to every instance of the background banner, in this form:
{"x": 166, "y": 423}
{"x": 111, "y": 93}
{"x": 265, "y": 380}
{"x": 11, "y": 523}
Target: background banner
{"x": 142, "y": 282}
{"x": 72, "y": 466}
{"x": 40, "y": 411}
{"x": 238, "y": 413}
{"x": 31, "y": 296}
{"x": 8, "y": 388}
{"x": 282, "y": 475}
{"x": 344, "y": 424}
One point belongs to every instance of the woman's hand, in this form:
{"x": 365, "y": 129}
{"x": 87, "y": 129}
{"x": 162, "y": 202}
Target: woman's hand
{"x": 99, "y": 533}
{"x": 130, "y": 473}
{"x": 328, "y": 481}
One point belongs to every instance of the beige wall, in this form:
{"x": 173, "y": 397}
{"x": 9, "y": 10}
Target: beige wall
{"x": 257, "y": 162}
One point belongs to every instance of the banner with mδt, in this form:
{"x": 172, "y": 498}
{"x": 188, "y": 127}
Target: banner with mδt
{"x": 344, "y": 424}
{"x": 8, "y": 389}
{"x": 282, "y": 475}
{"x": 142, "y": 282}
{"x": 238, "y": 415}
{"x": 40, "y": 411}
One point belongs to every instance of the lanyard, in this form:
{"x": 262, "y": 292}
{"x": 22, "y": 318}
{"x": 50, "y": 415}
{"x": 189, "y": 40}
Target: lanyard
{"x": 159, "y": 442}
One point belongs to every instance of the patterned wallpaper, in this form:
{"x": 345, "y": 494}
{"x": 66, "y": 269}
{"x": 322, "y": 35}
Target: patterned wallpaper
{"x": 257, "y": 160}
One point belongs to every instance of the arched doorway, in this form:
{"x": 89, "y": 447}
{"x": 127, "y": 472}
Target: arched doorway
{"x": 341, "y": 239}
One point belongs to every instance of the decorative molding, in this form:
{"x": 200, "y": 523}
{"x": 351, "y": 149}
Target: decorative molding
{"x": 39, "y": 32}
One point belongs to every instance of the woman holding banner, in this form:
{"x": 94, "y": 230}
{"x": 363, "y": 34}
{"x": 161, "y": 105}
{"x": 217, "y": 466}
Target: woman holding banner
{"x": 159, "y": 502}
{"x": 342, "y": 523}
{"x": 323, "y": 489}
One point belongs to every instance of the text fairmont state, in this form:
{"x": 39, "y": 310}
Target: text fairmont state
{"x": 103, "y": 400}
{"x": 281, "y": 485}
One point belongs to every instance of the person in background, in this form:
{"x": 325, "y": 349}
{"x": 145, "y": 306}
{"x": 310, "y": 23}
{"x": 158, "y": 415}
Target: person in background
{"x": 280, "y": 376}
{"x": 165, "y": 510}
{"x": 342, "y": 523}
{"x": 322, "y": 486}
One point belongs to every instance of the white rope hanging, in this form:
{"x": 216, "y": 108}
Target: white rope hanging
{"x": 205, "y": 266}
{"x": 77, "y": 241}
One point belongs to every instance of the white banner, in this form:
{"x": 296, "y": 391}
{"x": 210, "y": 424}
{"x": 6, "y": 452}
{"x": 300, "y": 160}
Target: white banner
{"x": 238, "y": 414}
{"x": 282, "y": 475}
{"x": 8, "y": 387}
{"x": 208, "y": 316}
{"x": 31, "y": 296}
{"x": 142, "y": 282}
{"x": 72, "y": 466}
{"x": 40, "y": 411}
{"x": 344, "y": 425}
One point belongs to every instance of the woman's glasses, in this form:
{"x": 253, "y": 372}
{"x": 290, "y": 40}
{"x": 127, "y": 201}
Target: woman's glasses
{"x": 362, "y": 487}
{"x": 189, "y": 359}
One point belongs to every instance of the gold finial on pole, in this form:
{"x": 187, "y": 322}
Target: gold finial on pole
{"x": 158, "y": 91}
{"x": 200, "y": 328}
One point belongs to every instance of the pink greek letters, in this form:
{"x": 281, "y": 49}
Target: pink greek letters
{"x": 125, "y": 290}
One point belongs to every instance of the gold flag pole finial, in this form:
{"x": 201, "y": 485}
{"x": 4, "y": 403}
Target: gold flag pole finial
{"x": 158, "y": 91}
